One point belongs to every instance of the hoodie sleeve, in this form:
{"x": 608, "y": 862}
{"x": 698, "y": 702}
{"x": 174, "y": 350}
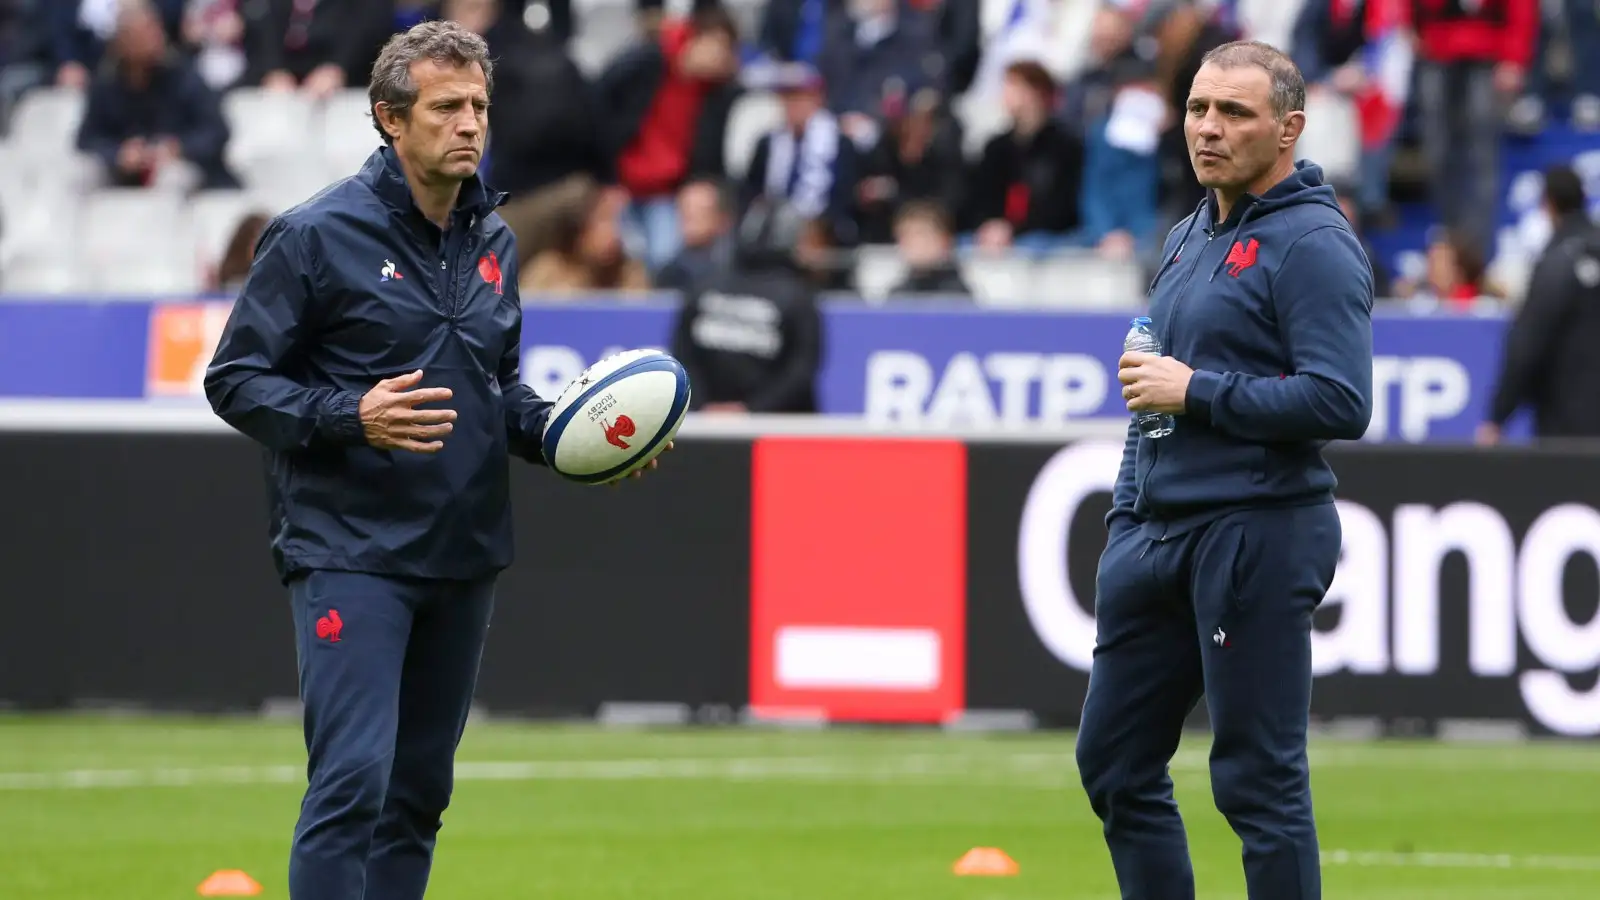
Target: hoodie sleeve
{"x": 246, "y": 382}
{"x": 1323, "y": 296}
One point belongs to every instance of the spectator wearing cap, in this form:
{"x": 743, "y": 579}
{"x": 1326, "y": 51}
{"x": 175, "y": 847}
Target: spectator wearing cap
{"x": 150, "y": 119}
{"x": 919, "y": 158}
{"x": 806, "y": 164}
{"x": 882, "y": 49}
{"x": 317, "y": 47}
{"x": 667, "y": 102}
{"x": 1025, "y": 190}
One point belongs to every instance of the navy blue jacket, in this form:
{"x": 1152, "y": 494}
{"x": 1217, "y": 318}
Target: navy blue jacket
{"x": 351, "y": 287}
{"x": 1273, "y": 310}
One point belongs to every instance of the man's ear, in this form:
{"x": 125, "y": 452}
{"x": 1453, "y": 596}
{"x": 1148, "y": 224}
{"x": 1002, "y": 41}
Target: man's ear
{"x": 1293, "y": 125}
{"x": 389, "y": 120}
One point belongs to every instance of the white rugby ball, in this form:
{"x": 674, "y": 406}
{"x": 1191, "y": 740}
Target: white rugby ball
{"x": 616, "y": 416}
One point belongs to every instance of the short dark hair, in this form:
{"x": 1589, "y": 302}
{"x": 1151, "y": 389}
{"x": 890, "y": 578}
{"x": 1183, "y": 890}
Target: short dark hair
{"x": 1033, "y": 74}
{"x": 1563, "y": 190}
{"x": 711, "y": 19}
{"x": 1288, "y": 85}
{"x": 929, "y": 211}
{"x": 443, "y": 42}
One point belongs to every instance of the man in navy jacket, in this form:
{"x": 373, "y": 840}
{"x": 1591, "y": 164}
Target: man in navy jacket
{"x": 374, "y": 352}
{"x": 1224, "y": 536}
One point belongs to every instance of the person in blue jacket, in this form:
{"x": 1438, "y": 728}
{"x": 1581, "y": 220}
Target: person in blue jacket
{"x": 374, "y": 352}
{"x": 1223, "y": 536}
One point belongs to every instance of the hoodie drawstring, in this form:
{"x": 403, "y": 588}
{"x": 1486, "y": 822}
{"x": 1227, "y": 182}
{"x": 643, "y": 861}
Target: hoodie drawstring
{"x": 1167, "y": 263}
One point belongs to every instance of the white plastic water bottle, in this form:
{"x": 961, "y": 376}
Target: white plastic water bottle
{"x": 1142, "y": 339}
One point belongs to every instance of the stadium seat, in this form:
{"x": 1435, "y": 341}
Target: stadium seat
{"x": 44, "y": 126}
{"x": 1078, "y": 279}
{"x": 981, "y": 119}
{"x": 278, "y": 185}
{"x": 348, "y": 137}
{"x": 213, "y": 217}
{"x": 879, "y": 268}
{"x": 269, "y": 127}
{"x": 136, "y": 241}
{"x": 999, "y": 280}
{"x": 1332, "y": 136}
{"x": 753, "y": 115}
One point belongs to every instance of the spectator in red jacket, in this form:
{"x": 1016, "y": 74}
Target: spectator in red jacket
{"x": 667, "y": 104}
{"x": 1473, "y": 57}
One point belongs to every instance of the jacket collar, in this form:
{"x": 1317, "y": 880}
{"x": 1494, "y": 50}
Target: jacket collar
{"x": 383, "y": 174}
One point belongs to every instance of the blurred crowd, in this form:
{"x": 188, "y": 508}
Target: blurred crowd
{"x": 945, "y": 128}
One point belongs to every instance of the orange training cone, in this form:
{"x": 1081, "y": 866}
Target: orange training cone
{"x": 986, "y": 861}
{"x": 229, "y": 883}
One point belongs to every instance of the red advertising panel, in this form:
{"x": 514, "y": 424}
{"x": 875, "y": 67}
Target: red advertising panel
{"x": 858, "y": 579}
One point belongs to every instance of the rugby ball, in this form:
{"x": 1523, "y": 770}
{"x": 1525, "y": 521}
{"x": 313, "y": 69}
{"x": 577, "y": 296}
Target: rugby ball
{"x": 616, "y": 416}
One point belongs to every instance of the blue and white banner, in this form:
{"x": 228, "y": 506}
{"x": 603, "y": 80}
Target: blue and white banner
{"x": 926, "y": 365}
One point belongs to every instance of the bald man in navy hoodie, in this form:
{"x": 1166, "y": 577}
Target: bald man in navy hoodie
{"x": 1223, "y": 536}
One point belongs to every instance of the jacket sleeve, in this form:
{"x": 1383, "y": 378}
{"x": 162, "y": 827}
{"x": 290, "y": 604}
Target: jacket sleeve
{"x": 1323, "y": 296}
{"x": 1534, "y": 330}
{"x": 797, "y": 379}
{"x": 526, "y": 412}
{"x": 246, "y": 382}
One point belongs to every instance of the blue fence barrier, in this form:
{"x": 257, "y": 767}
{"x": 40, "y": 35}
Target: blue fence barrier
{"x": 916, "y": 363}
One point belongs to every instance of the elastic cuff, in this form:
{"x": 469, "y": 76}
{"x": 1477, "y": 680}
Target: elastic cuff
{"x": 1202, "y": 391}
{"x": 341, "y": 419}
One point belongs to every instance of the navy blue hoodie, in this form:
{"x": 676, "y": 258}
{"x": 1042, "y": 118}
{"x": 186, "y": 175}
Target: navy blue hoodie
{"x": 1273, "y": 310}
{"x": 351, "y": 287}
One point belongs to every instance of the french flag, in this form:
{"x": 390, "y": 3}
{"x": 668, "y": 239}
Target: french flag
{"x": 1387, "y": 57}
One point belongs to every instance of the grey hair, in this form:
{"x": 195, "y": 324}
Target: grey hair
{"x": 443, "y": 42}
{"x": 1288, "y": 85}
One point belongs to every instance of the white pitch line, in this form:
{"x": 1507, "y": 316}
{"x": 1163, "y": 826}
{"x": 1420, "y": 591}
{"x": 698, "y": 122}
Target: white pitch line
{"x": 1373, "y": 859}
{"x": 905, "y": 767}
{"x": 1042, "y": 769}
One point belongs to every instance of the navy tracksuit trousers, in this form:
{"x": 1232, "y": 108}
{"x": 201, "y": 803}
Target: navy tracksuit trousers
{"x": 387, "y": 672}
{"x": 1224, "y": 610}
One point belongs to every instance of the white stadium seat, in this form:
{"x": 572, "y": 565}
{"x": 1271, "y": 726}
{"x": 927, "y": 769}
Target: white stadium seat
{"x": 753, "y": 115}
{"x": 1081, "y": 280}
{"x": 998, "y": 280}
{"x": 348, "y": 136}
{"x": 269, "y": 127}
{"x": 45, "y": 122}
{"x": 213, "y": 218}
{"x": 879, "y": 268}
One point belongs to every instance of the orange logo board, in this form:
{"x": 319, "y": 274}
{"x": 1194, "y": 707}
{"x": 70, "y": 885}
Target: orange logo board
{"x": 183, "y": 337}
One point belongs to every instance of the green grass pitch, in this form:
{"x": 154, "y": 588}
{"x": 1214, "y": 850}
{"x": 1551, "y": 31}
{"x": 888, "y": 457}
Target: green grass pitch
{"x": 133, "y": 808}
